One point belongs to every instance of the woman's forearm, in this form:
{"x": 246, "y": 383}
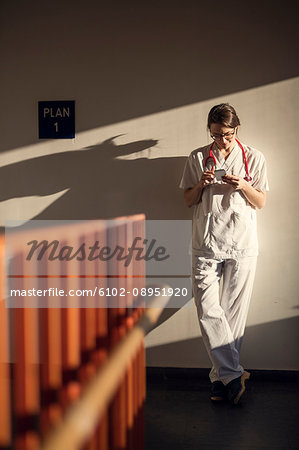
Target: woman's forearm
{"x": 255, "y": 197}
{"x": 192, "y": 195}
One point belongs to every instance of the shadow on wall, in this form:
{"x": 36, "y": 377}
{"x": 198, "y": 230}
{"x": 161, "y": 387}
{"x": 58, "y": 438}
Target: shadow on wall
{"x": 261, "y": 344}
{"x": 100, "y": 185}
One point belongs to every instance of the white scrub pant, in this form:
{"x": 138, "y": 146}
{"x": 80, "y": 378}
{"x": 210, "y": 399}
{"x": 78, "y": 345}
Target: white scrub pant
{"x": 222, "y": 313}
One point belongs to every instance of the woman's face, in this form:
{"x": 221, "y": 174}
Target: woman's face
{"x": 224, "y": 137}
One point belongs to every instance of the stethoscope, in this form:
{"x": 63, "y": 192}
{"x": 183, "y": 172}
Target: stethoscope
{"x": 211, "y": 156}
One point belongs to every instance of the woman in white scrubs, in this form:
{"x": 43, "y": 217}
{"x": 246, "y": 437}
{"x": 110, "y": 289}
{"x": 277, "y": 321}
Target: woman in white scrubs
{"x": 226, "y": 182}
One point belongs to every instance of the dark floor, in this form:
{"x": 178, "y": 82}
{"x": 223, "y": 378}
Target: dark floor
{"x": 180, "y": 416}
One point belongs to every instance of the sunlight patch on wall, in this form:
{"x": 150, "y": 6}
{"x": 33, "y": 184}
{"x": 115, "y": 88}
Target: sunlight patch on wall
{"x": 180, "y": 130}
{"x": 23, "y": 208}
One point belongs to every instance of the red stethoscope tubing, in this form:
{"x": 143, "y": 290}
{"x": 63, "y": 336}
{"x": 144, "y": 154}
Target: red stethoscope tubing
{"x": 211, "y": 156}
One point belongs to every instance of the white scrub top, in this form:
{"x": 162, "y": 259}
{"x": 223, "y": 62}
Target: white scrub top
{"x": 224, "y": 222}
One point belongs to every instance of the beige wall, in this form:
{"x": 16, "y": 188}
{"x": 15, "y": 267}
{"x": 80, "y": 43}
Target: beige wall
{"x": 144, "y": 79}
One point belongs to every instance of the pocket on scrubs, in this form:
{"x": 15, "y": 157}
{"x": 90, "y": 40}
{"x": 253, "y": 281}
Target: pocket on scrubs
{"x": 245, "y": 234}
{"x": 220, "y": 233}
{"x": 238, "y": 202}
{"x": 204, "y": 270}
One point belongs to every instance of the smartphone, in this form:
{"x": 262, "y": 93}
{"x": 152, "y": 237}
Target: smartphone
{"x": 219, "y": 174}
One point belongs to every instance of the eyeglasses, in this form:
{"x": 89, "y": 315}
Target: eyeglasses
{"x": 228, "y": 135}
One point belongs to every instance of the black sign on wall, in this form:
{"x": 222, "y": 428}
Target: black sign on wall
{"x": 56, "y": 119}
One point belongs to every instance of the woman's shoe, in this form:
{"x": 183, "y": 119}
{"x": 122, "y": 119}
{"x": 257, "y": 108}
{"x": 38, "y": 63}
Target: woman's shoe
{"x": 236, "y": 388}
{"x": 218, "y": 391}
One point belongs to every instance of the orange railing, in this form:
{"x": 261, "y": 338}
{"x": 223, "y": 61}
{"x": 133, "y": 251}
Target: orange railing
{"x": 74, "y": 376}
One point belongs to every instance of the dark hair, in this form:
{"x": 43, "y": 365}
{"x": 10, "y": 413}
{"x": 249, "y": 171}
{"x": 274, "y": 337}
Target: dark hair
{"x": 224, "y": 114}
